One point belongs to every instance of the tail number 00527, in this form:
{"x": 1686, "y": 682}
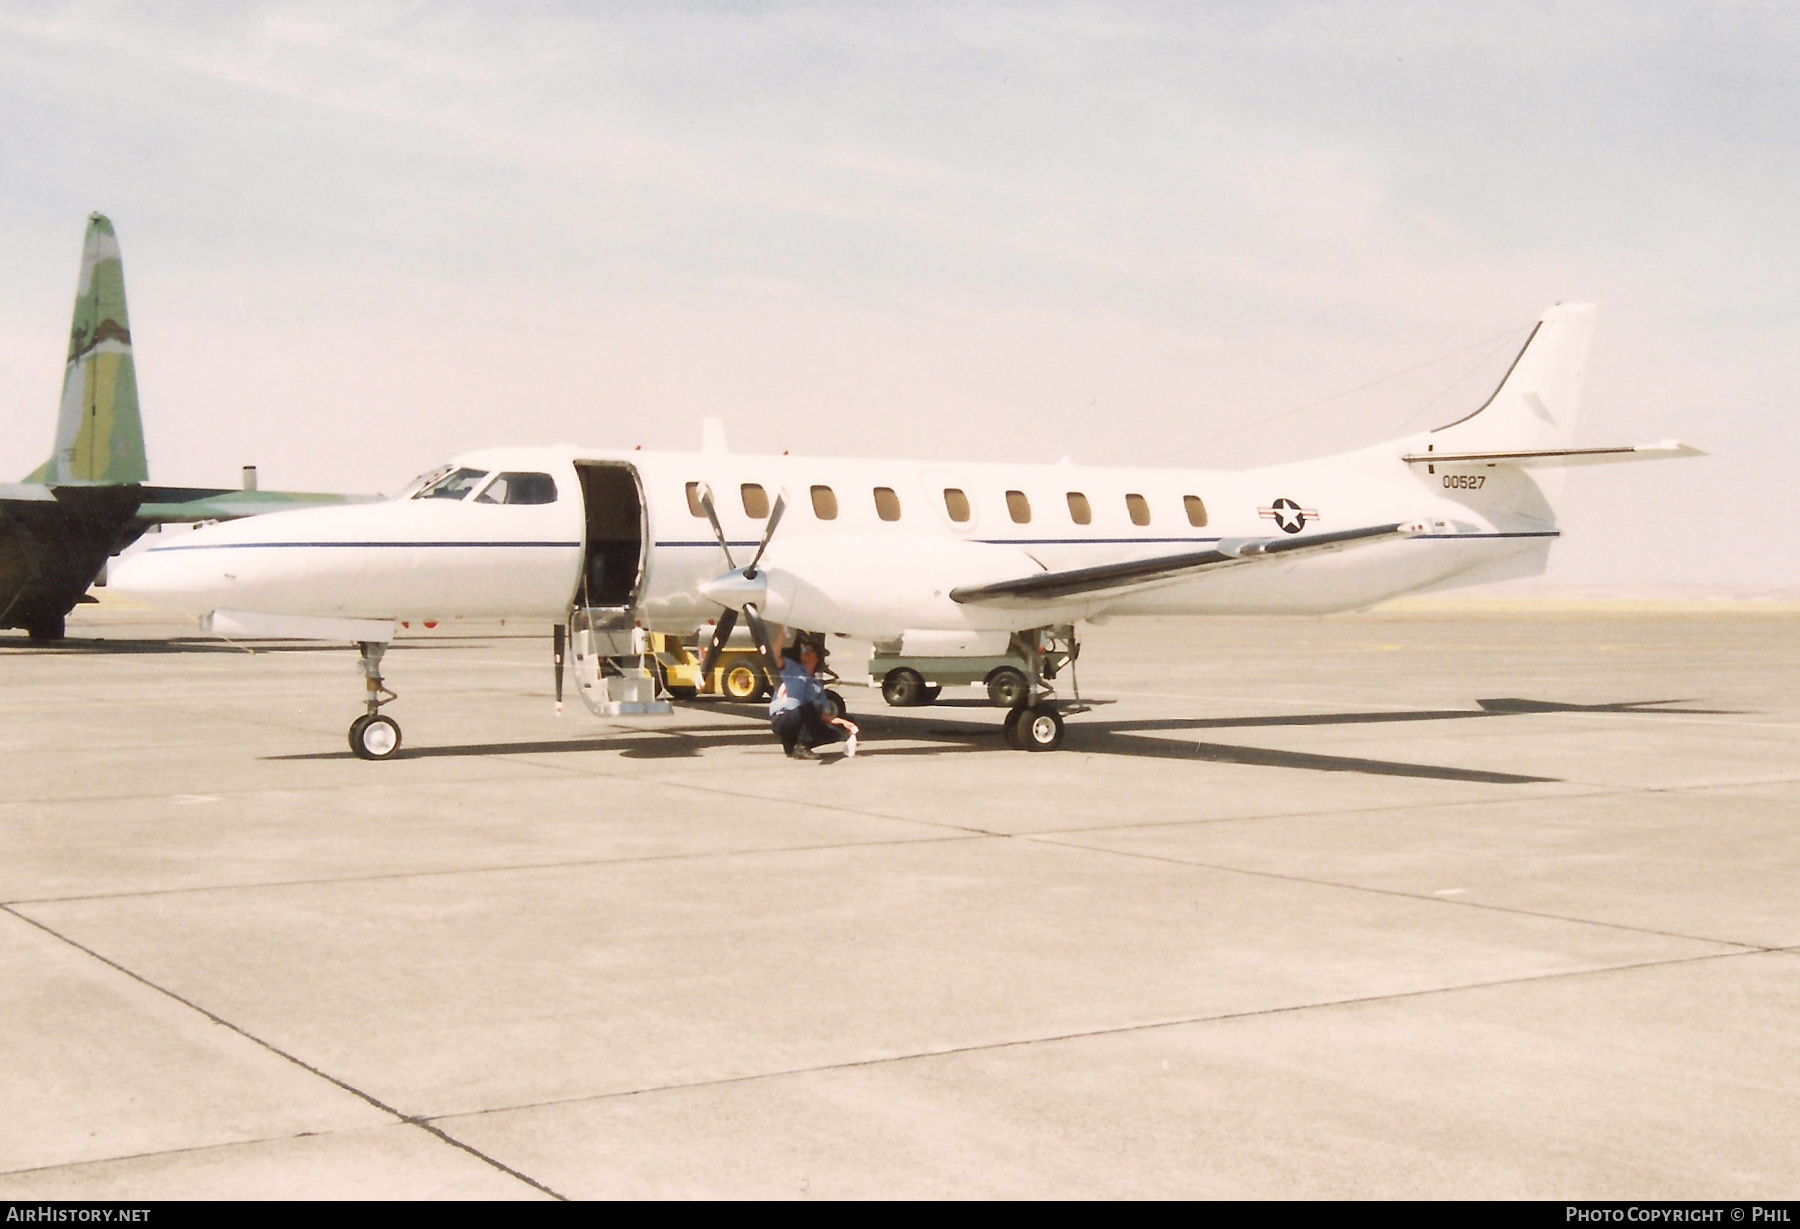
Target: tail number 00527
{"x": 1465, "y": 482}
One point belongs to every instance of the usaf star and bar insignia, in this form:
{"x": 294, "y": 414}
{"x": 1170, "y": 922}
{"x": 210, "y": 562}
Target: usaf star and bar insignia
{"x": 1290, "y": 516}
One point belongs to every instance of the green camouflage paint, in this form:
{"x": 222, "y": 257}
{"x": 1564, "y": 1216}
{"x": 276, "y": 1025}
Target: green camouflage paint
{"x": 99, "y": 434}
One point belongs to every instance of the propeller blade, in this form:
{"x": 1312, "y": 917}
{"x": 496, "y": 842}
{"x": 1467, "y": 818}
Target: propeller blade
{"x": 768, "y": 532}
{"x": 759, "y": 632}
{"x": 712, "y": 518}
{"x": 715, "y": 646}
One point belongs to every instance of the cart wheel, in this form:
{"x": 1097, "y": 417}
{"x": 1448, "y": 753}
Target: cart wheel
{"x": 932, "y": 693}
{"x": 1010, "y": 728}
{"x": 1007, "y": 687}
{"x": 834, "y": 704}
{"x": 903, "y": 687}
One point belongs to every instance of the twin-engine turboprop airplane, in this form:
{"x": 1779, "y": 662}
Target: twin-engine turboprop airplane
{"x": 938, "y": 558}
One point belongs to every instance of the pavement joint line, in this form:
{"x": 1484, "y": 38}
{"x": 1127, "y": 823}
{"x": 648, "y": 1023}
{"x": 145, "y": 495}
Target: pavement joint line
{"x": 1370, "y": 810}
{"x": 191, "y": 1148}
{"x": 1585, "y": 793}
{"x": 229, "y": 795}
{"x": 446, "y": 872}
{"x": 1456, "y": 901}
{"x": 1087, "y": 1034}
{"x": 579, "y": 770}
{"x": 276, "y": 1050}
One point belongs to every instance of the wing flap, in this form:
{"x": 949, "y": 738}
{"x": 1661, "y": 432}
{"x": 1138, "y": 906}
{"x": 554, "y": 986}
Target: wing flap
{"x": 1131, "y": 574}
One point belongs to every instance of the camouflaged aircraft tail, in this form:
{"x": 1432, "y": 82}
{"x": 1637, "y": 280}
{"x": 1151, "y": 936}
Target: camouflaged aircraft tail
{"x": 99, "y": 434}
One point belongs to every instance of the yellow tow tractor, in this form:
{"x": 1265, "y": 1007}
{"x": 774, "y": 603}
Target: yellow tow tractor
{"x": 739, "y": 673}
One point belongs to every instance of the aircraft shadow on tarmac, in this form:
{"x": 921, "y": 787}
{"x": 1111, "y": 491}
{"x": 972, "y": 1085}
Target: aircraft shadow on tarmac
{"x": 1093, "y": 737}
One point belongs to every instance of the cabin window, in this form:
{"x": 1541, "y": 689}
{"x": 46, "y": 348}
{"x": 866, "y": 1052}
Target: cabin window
{"x": 454, "y": 485}
{"x": 887, "y": 504}
{"x": 1018, "y": 507}
{"x": 1079, "y": 511}
{"x": 519, "y": 489}
{"x": 1139, "y": 507}
{"x": 693, "y": 494}
{"x": 1196, "y": 511}
{"x": 756, "y": 501}
{"x": 957, "y": 505}
{"x": 824, "y": 503}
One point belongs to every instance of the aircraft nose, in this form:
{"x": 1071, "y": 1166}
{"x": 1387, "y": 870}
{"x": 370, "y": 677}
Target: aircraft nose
{"x": 161, "y": 578}
{"x": 733, "y": 589}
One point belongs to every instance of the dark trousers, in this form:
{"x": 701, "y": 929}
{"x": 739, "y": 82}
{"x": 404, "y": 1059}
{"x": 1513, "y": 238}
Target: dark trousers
{"x": 804, "y": 725}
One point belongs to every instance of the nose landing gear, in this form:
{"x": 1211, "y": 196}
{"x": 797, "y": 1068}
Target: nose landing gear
{"x": 373, "y": 736}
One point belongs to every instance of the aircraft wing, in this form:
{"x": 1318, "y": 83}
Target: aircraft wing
{"x": 1560, "y": 457}
{"x": 1133, "y": 574}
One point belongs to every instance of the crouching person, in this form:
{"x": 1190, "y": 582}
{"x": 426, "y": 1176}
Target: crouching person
{"x": 798, "y": 713}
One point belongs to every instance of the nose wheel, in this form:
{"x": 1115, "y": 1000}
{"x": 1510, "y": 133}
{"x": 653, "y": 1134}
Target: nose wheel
{"x": 372, "y": 735}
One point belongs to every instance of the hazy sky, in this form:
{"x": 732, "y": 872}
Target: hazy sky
{"x": 360, "y": 238}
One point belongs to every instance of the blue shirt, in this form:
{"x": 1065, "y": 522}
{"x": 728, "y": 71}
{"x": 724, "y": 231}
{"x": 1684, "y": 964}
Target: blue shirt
{"x": 798, "y": 688}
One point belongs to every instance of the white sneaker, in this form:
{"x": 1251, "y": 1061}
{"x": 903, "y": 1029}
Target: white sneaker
{"x": 850, "y": 747}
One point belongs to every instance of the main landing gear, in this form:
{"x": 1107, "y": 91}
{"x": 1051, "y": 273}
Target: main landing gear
{"x": 1035, "y": 722}
{"x": 373, "y": 736}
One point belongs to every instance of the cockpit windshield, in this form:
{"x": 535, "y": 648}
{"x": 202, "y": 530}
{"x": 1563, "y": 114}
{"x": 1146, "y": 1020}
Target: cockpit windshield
{"x": 454, "y": 485}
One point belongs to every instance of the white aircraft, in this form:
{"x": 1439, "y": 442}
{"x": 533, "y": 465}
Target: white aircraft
{"x": 927, "y": 558}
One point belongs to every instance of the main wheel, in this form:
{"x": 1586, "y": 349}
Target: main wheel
{"x": 1007, "y": 687}
{"x": 903, "y": 687}
{"x": 1010, "y": 728}
{"x": 50, "y": 627}
{"x": 374, "y": 738}
{"x": 1040, "y": 729}
{"x": 742, "y": 681}
{"x": 834, "y": 704}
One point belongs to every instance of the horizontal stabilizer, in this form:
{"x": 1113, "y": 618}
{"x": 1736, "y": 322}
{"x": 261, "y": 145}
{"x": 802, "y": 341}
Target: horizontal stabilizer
{"x": 1547, "y": 458}
{"x": 187, "y": 504}
{"x": 1135, "y": 574}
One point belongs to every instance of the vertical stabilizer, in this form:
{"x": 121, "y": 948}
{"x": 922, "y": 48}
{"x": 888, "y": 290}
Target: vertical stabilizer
{"x": 99, "y": 435}
{"x": 1536, "y": 404}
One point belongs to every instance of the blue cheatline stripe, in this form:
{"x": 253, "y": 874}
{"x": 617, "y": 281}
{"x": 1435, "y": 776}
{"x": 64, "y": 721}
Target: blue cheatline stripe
{"x": 712, "y": 543}
{"x": 342, "y": 545}
{"x": 1089, "y": 541}
{"x": 1537, "y": 533}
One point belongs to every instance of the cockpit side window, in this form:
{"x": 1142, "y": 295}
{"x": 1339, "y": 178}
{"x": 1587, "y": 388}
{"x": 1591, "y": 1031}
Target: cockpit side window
{"x": 454, "y": 485}
{"x": 514, "y": 488}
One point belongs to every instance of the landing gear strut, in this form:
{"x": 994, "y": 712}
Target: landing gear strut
{"x": 1035, "y": 722}
{"x": 373, "y": 736}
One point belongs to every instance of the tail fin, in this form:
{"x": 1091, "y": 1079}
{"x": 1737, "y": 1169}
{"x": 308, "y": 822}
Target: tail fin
{"x": 1536, "y": 404}
{"x": 99, "y": 434}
